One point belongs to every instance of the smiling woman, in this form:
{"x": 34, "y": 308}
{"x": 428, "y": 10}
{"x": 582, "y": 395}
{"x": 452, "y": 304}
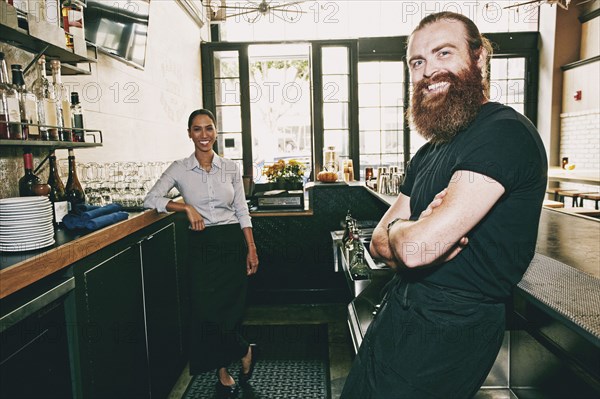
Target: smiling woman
{"x": 222, "y": 250}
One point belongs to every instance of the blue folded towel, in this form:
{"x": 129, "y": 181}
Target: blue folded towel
{"x": 105, "y": 220}
{"x": 95, "y": 217}
{"x": 100, "y": 211}
{"x": 73, "y": 222}
{"x": 79, "y": 208}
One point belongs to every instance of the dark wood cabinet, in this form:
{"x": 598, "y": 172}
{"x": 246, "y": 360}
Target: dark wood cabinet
{"x": 129, "y": 309}
{"x": 112, "y": 329}
{"x": 162, "y": 308}
{"x": 34, "y": 356}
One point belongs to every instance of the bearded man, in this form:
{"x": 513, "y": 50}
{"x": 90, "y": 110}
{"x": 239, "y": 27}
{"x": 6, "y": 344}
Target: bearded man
{"x": 462, "y": 231}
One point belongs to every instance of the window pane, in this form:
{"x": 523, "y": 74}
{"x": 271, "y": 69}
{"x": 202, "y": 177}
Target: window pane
{"x": 370, "y": 142}
{"x": 392, "y": 72}
{"x": 392, "y": 94}
{"x": 226, "y": 64}
{"x": 389, "y": 159}
{"x": 497, "y": 90}
{"x": 335, "y": 88}
{"x": 227, "y": 91}
{"x": 391, "y": 142}
{"x": 335, "y": 60}
{"x": 369, "y": 95}
{"x": 229, "y": 119}
{"x": 368, "y": 72}
{"x": 516, "y": 67}
{"x": 230, "y": 145}
{"x": 392, "y": 118}
{"x": 338, "y": 139}
{"x": 498, "y": 67}
{"x": 335, "y": 116}
{"x": 516, "y": 91}
{"x": 369, "y": 119}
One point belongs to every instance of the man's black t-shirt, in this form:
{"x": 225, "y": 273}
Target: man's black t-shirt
{"x": 505, "y": 146}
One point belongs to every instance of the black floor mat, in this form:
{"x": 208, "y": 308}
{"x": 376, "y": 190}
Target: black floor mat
{"x": 293, "y": 364}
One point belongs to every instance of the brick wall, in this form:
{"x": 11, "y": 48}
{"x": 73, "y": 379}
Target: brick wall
{"x": 580, "y": 138}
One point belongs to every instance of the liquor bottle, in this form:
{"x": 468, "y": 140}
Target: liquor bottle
{"x": 359, "y": 270}
{"x": 28, "y": 105}
{"x": 29, "y": 180}
{"x": 347, "y": 227}
{"x": 75, "y": 193}
{"x": 77, "y": 115}
{"x": 58, "y": 194}
{"x": 62, "y": 103}
{"x": 10, "y": 98}
{"x": 44, "y": 92}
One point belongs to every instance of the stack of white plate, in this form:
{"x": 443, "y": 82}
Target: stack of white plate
{"x": 25, "y": 223}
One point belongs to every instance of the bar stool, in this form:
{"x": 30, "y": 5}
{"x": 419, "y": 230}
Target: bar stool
{"x": 574, "y": 194}
{"x": 554, "y": 191}
{"x": 592, "y": 197}
{"x": 552, "y": 204}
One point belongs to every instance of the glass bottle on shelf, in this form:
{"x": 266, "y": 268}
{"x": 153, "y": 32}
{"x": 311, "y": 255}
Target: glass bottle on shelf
{"x": 44, "y": 92}
{"x": 28, "y": 105}
{"x": 77, "y": 115}
{"x": 347, "y": 227}
{"x": 75, "y": 193}
{"x": 62, "y": 102}
{"x": 29, "y": 180}
{"x": 10, "y": 100}
{"x": 58, "y": 194}
{"x": 359, "y": 270}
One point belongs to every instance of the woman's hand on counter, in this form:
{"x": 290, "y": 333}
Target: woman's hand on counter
{"x": 196, "y": 220}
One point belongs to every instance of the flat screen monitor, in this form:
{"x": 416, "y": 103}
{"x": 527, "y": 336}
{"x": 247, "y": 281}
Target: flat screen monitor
{"x": 119, "y": 28}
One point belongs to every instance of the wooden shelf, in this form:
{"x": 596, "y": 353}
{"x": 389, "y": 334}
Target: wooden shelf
{"x": 12, "y": 34}
{"x": 49, "y": 144}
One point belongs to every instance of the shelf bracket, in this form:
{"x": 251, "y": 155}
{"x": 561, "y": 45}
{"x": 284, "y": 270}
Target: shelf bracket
{"x": 35, "y": 59}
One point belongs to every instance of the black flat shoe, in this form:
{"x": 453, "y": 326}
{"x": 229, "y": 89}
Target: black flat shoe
{"x": 226, "y": 391}
{"x": 245, "y": 377}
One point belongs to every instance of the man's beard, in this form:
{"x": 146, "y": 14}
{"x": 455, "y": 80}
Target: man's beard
{"x": 438, "y": 117}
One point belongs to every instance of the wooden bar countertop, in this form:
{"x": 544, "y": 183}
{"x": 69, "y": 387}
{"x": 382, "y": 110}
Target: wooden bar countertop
{"x": 43, "y": 263}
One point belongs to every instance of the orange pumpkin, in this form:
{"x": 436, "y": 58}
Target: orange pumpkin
{"x": 327, "y": 177}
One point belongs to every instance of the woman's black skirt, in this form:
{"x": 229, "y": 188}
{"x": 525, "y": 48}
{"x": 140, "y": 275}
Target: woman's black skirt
{"x": 218, "y": 283}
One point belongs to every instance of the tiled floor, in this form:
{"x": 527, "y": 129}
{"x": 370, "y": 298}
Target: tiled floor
{"x": 340, "y": 347}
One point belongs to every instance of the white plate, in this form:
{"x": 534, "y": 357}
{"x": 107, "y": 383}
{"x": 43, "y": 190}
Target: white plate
{"x": 26, "y": 215}
{"x": 9, "y": 224}
{"x": 18, "y": 247}
{"x": 27, "y": 238}
{"x": 25, "y": 221}
{"x": 21, "y": 208}
{"x": 18, "y": 230}
{"x": 9, "y": 230}
{"x": 23, "y": 200}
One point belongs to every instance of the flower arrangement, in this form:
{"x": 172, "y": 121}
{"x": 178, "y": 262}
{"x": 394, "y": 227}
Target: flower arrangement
{"x": 282, "y": 172}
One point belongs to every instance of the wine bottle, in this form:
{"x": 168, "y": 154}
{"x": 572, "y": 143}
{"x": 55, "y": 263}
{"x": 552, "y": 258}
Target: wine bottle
{"x": 63, "y": 106}
{"x": 44, "y": 92}
{"x": 75, "y": 193}
{"x": 359, "y": 270}
{"x": 29, "y": 180}
{"x": 10, "y": 99}
{"x": 58, "y": 194}
{"x": 28, "y": 105}
{"x": 77, "y": 115}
